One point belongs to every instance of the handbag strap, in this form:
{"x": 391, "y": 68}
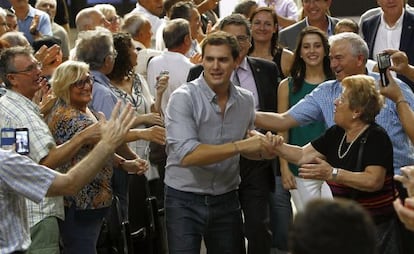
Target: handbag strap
{"x": 359, "y": 164}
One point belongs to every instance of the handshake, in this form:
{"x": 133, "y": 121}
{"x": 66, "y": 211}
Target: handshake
{"x": 258, "y": 146}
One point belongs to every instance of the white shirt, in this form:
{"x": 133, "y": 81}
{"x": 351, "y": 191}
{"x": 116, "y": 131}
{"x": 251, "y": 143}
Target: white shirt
{"x": 155, "y": 21}
{"x": 144, "y": 55}
{"x": 284, "y": 8}
{"x": 388, "y": 37}
{"x": 178, "y": 66}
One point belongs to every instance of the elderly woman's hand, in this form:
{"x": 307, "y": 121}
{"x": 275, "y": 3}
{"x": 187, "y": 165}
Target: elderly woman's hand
{"x": 407, "y": 179}
{"x": 319, "y": 170}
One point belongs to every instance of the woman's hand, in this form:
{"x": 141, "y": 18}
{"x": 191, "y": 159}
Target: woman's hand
{"x": 320, "y": 170}
{"x": 288, "y": 179}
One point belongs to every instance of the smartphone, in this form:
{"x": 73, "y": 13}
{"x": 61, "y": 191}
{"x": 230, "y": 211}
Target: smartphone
{"x": 7, "y": 138}
{"x": 384, "y": 62}
{"x": 22, "y": 140}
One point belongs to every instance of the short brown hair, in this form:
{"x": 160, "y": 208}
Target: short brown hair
{"x": 363, "y": 95}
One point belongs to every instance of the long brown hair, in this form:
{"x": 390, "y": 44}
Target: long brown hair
{"x": 274, "y": 41}
{"x": 298, "y": 70}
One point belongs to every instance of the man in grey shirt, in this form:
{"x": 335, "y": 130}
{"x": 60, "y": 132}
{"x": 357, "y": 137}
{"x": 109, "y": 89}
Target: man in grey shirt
{"x": 206, "y": 121}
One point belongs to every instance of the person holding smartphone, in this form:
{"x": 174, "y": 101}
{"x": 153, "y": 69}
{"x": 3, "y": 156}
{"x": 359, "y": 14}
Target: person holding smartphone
{"x": 21, "y": 178}
{"x": 21, "y": 73}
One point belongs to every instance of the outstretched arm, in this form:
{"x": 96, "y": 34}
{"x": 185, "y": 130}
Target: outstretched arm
{"x": 404, "y": 110}
{"x": 113, "y": 135}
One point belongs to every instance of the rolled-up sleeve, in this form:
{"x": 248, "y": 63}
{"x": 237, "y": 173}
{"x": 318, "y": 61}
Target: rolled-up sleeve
{"x": 182, "y": 134}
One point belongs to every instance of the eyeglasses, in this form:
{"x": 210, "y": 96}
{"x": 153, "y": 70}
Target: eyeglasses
{"x": 35, "y": 66}
{"x": 80, "y": 84}
{"x": 114, "y": 19}
{"x": 242, "y": 38}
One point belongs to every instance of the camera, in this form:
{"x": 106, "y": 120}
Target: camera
{"x": 384, "y": 62}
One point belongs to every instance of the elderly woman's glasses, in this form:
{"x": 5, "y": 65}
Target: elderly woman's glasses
{"x": 80, "y": 84}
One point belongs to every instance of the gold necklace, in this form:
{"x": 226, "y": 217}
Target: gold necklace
{"x": 349, "y": 147}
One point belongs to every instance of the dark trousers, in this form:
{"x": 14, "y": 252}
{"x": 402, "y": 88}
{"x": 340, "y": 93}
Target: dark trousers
{"x": 256, "y": 185}
{"x": 192, "y": 217}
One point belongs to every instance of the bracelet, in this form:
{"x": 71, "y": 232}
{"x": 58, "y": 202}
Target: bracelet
{"x": 400, "y": 101}
{"x": 236, "y": 147}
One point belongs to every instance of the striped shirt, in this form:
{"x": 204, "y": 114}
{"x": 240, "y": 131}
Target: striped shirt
{"x": 17, "y": 111}
{"x": 20, "y": 178}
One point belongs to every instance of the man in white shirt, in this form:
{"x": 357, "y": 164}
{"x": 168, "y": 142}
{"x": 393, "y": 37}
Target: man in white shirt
{"x": 151, "y": 9}
{"x": 286, "y": 10}
{"x": 390, "y": 29}
{"x": 177, "y": 38}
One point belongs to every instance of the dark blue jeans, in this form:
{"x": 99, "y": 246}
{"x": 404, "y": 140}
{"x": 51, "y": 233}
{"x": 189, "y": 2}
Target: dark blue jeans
{"x": 80, "y": 230}
{"x": 191, "y": 217}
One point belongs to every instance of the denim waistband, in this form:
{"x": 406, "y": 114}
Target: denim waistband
{"x": 207, "y": 199}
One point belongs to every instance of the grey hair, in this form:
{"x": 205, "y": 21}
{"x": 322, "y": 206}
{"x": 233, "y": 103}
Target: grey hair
{"x": 175, "y": 32}
{"x": 133, "y": 23}
{"x": 358, "y": 45}
{"x": 93, "y": 46}
{"x": 15, "y": 38}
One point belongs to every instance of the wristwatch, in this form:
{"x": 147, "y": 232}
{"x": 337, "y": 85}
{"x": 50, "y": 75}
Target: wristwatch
{"x": 335, "y": 172}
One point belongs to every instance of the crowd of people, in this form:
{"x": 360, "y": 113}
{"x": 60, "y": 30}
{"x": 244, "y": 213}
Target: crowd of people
{"x": 225, "y": 119}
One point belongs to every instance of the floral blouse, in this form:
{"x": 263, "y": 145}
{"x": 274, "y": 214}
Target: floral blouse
{"x": 64, "y": 122}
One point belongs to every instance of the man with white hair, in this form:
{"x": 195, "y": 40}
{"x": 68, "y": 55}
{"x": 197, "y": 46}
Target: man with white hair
{"x": 139, "y": 27}
{"x": 89, "y": 18}
{"x": 151, "y": 9}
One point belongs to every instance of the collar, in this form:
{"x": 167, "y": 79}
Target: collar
{"x": 210, "y": 94}
{"x": 100, "y": 78}
{"x": 21, "y": 99}
{"x": 329, "y": 31}
{"x": 243, "y": 64}
{"x": 31, "y": 13}
{"x": 396, "y": 25}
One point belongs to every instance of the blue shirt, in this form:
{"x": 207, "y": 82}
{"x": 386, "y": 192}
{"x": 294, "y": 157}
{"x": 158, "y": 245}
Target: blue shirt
{"x": 319, "y": 106}
{"x": 193, "y": 117}
{"x": 44, "y": 27}
{"x": 103, "y": 98}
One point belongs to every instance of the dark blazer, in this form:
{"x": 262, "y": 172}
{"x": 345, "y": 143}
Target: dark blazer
{"x": 267, "y": 78}
{"x": 369, "y": 30}
{"x": 288, "y": 36}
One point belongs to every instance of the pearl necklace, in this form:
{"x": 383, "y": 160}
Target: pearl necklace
{"x": 349, "y": 147}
